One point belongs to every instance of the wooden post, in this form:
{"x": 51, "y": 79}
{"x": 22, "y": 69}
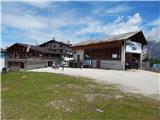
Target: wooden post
{"x": 123, "y": 52}
{"x": 141, "y": 56}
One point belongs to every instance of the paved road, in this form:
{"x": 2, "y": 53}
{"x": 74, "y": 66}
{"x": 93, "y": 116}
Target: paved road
{"x": 139, "y": 81}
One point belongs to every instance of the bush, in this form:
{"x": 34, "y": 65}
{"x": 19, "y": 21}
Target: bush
{"x": 151, "y": 60}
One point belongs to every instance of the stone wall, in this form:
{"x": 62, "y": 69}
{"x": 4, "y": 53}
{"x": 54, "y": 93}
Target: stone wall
{"x": 108, "y": 64}
{"x": 33, "y": 64}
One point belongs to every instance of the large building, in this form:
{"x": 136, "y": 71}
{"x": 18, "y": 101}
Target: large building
{"x": 24, "y": 56}
{"x": 3, "y": 59}
{"x": 112, "y": 53}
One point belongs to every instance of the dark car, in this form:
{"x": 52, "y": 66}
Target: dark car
{"x": 86, "y": 66}
{"x": 132, "y": 64}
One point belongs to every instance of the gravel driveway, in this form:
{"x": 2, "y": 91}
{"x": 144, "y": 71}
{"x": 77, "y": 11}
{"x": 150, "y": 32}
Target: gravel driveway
{"x": 139, "y": 81}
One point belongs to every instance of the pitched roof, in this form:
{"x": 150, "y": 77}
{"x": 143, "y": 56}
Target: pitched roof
{"x": 53, "y": 41}
{"x": 36, "y": 48}
{"x": 119, "y": 37}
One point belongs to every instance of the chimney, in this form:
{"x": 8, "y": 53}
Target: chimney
{"x": 54, "y": 38}
{"x": 68, "y": 43}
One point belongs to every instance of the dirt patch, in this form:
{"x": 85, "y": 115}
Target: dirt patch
{"x": 65, "y": 105}
{"x": 92, "y": 97}
{"x": 24, "y": 76}
{"x": 67, "y": 86}
{"x": 4, "y": 89}
{"x": 54, "y": 86}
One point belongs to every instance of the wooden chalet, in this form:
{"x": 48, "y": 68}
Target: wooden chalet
{"x": 112, "y": 53}
{"x": 24, "y": 56}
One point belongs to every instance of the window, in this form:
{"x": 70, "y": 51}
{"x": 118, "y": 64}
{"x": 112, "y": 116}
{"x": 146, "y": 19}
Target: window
{"x": 115, "y": 56}
{"x": 78, "y": 57}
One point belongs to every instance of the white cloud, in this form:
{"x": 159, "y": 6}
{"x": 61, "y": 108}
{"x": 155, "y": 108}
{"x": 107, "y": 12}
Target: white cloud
{"x": 39, "y": 4}
{"x": 153, "y": 34}
{"x": 136, "y": 19}
{"x": 152, "y": 30}
{"x": 117, "y": 9}
{"x": 42, "y": 28}
{"x": 116, "y": 27}
{"x": 119, "y": 19}
{"x": 154, "y": 22}
{"x": 35, "y": 3}
{"x": 39, "y": 28}
{"x": 24, "y": 22}
{"x": 111, "y": 11}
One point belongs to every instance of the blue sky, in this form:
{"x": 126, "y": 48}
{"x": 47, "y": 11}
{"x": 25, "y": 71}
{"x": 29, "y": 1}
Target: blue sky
{"x": 36, "y": 22}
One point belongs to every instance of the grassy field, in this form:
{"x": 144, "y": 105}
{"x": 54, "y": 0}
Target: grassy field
{"x": 31, "y": 96}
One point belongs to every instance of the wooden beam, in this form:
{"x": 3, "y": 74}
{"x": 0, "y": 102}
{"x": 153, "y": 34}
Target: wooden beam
{"x": 100, "y": 45}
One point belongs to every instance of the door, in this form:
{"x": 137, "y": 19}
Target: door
{"x": 50, "y": 63}
{"x": 98, "y": 64}
{"x": 78, "y": 58}
{"x": 21, "y": 65}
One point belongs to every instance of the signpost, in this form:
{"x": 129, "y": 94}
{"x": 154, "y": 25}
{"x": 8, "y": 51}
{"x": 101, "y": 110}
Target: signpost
{"x": 133, "y": 47}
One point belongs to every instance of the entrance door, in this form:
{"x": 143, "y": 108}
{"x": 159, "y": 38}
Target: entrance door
{"x": 21, "y": 65}
{"x": 98, "y": 64}
{"x": 132, "y": 60}
{"x": 50, "y": 63}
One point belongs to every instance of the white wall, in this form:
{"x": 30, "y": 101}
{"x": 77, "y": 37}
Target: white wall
{"x": 94, "y": 63}
{"x": 108, "y": 64}
{"x": 78, "y": 52}
{"x": 2, "y": 63}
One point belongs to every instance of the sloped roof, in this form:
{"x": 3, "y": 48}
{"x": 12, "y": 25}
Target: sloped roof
{"x": 36, "y": 48}
{"x": 119, "y": 37}
{"x": 53, "y": 41}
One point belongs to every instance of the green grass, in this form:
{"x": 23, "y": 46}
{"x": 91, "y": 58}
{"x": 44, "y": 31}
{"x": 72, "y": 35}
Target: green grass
{"x": 31, "y": 96}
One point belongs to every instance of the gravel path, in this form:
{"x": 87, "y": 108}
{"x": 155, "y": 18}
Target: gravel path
{"x": 139, "y": 81}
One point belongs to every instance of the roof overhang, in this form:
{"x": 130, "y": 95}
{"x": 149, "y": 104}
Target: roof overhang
{"x": 137, "y": 37}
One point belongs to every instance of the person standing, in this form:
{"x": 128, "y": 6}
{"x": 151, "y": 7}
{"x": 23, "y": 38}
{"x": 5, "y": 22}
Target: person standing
{"x": 63, "y": 66}
{"x": 81, "y": 65}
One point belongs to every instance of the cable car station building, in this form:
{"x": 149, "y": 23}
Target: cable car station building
{"x": 112, "y": 53}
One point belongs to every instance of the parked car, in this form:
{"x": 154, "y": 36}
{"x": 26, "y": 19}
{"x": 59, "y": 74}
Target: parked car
{"x": 86, "y": 66}
{"x": 132, "y": 64}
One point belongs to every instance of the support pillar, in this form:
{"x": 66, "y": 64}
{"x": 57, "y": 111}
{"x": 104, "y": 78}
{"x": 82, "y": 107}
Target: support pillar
{"x": 141, "y": 57}
{"x": 123, "y": 53}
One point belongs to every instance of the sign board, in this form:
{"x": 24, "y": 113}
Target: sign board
{"x": 88, "y": 62}
{"x": 114, "y": 56}
{"x": 133, "y": 47}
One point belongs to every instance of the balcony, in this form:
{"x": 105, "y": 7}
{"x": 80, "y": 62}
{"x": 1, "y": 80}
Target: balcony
{"x": 17, "y": 58}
